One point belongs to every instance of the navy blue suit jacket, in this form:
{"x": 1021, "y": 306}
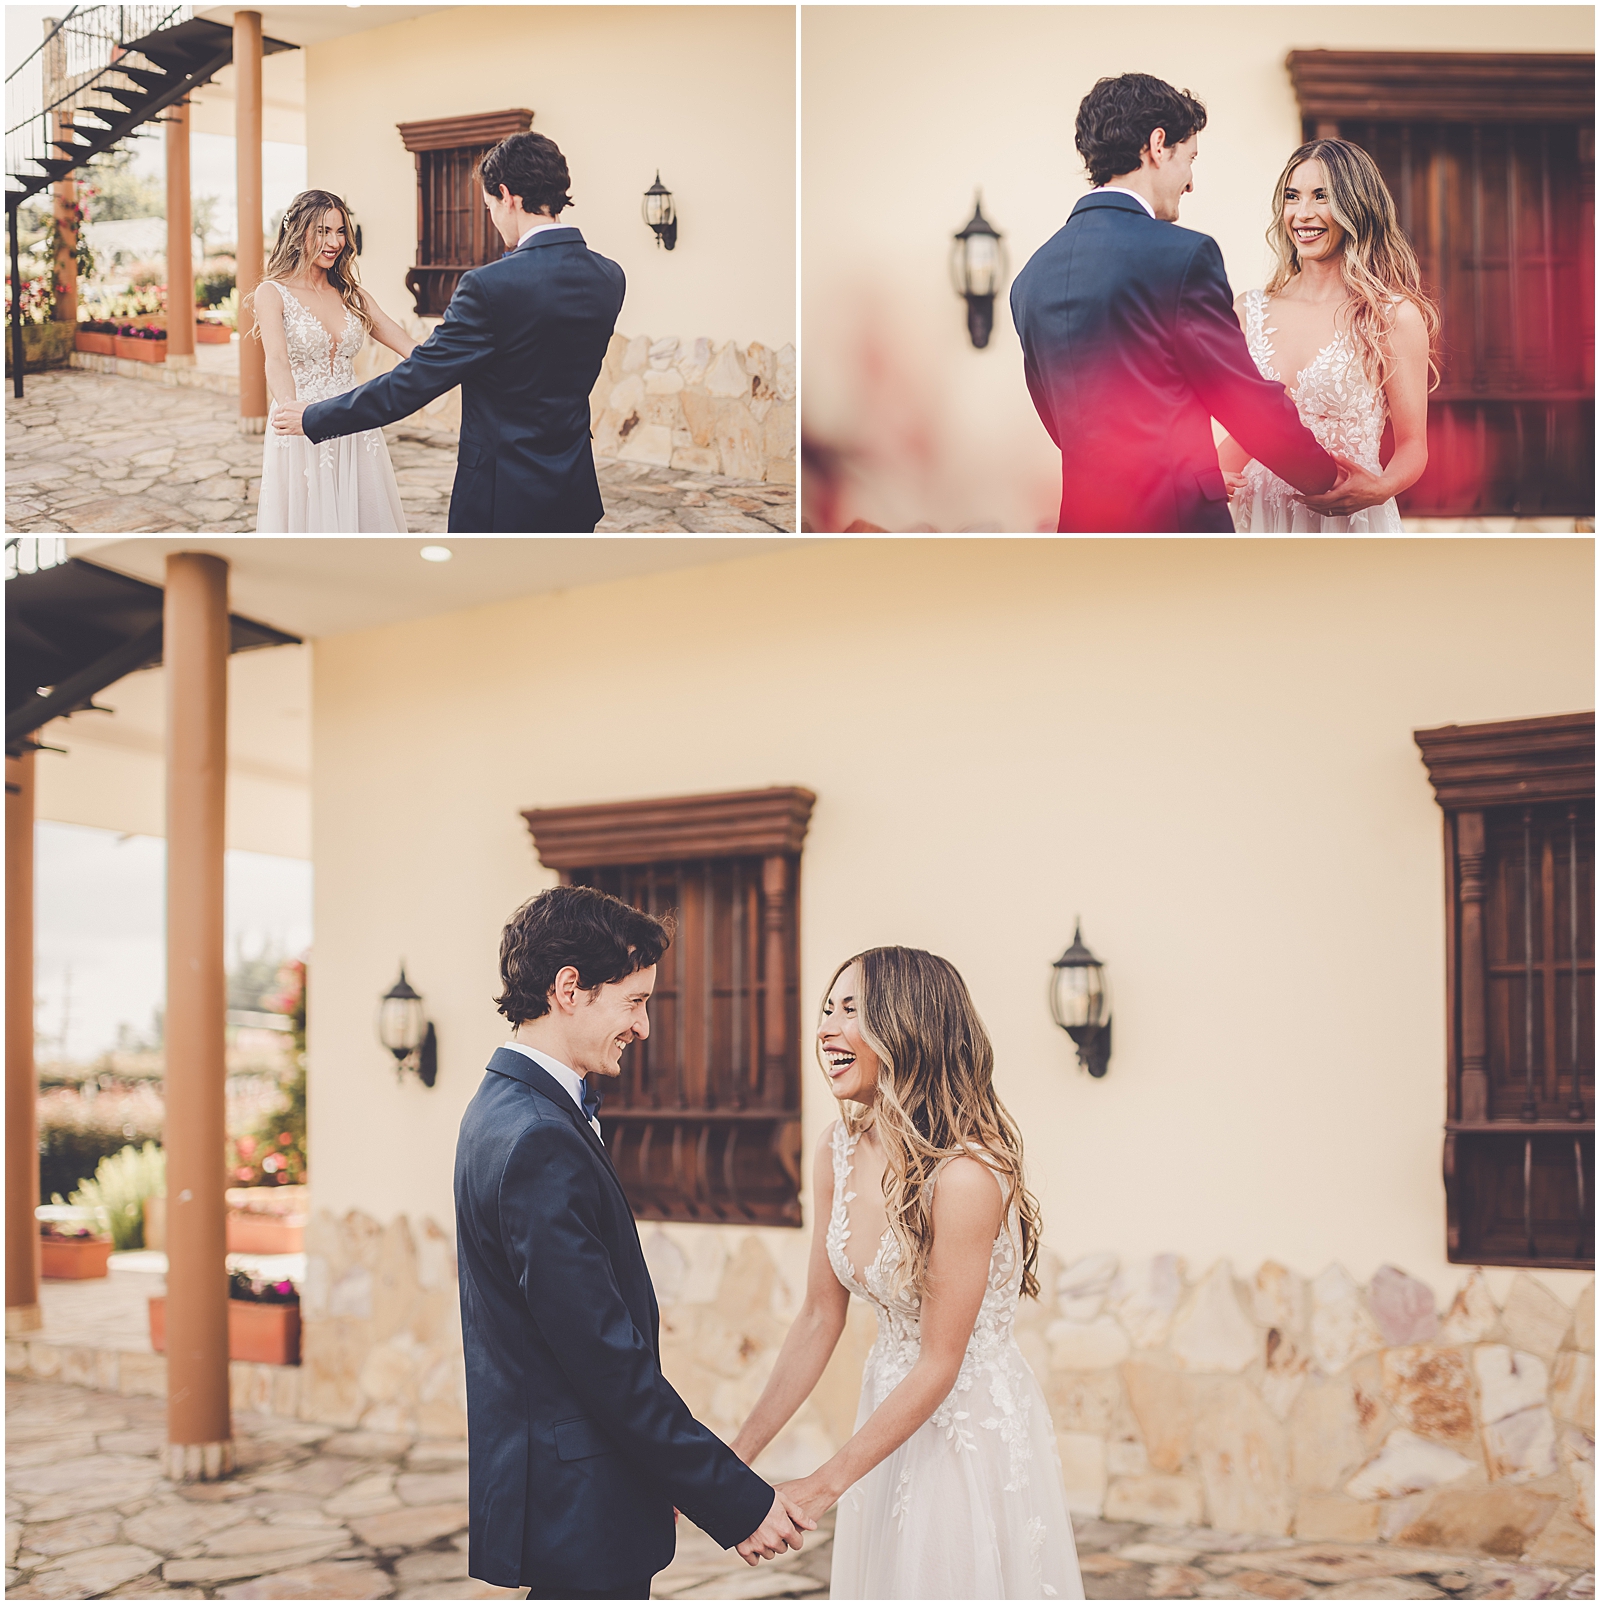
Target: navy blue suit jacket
{"x": 578, "y": 1447}
{"x": 1131, "y": 347}
{"x": 525, "y": 338}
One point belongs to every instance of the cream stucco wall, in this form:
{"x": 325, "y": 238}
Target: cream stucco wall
{"x": 1203, "y": 748}
{"x": 705, "y": 94}
{"x": 908, "y": 110}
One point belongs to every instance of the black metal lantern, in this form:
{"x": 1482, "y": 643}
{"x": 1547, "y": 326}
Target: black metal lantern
{"x": 1080, "y": 1003}
{"x": 978, "y": 270}
{"x": 660, "y": 213}
{"x": 405, "y": 1030}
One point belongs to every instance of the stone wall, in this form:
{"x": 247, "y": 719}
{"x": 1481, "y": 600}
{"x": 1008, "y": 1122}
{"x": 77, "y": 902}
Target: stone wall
{"x": 701, "y": 406}
{"x": 1269, "y": 1404}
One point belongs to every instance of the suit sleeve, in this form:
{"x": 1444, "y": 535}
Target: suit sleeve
{"x": 1037, "y": 389}
{"x": 550, "y": 1216}
{"x": 461, "y": 343}
{"x": 1256, "y": 411}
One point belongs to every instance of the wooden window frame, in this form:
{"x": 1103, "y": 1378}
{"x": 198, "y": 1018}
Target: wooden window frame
{"x": 1476, "y": 769}
{"x": 731, "y": 1153}
{"x": 433, "y": 283}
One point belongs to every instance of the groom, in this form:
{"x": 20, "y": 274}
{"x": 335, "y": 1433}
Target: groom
{"x": 1130, "y": 346}
{"x": 525, "y": 338}
{"x": 579, "y": 1452}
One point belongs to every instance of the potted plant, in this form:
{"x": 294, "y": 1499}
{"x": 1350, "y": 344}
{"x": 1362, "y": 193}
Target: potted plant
{"x": 97, "y": 337}
{"x": 263, "y": 1321}
{"x": 211, "y": 332}
{"x": 72, "y": 1246}
{"x": 141, "y": 342}
{"x": 266, "y": 1220}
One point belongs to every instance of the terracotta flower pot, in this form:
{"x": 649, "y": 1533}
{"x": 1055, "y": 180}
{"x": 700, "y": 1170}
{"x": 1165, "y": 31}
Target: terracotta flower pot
{"x": 268, "y": 1334}
{"x": 137, "y": 350}
{"x": 212, "y": 334}
{"x": 250, "y": 1232}
{"x": 74, "y": 1259}
{"x": 101, "y": 345}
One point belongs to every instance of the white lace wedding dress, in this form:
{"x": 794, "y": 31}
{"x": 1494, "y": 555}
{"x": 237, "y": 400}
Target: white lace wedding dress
{"x": 344, "y": 486}
{"x": 1339, "y": 406}
{"x": 971, "y": 1505}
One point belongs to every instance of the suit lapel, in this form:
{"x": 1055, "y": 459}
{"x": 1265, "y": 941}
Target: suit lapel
{"x": 519, "y": 1067}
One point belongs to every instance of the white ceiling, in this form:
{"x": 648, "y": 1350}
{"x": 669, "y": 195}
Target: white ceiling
{"x": 329, "y": 585}
{"x": 310, "y": 25}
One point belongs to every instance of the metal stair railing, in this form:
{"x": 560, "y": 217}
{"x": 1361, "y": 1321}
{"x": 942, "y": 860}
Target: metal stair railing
{"x": 96, "y": 73}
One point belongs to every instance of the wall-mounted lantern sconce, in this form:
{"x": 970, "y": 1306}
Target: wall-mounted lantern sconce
{"x": 358, "y": 239}
{"x": 1080, "y": 1003}
{"x": 405, "y": 1030}
{"x": 660, "y": 213}
{"x": 978, "y": 271}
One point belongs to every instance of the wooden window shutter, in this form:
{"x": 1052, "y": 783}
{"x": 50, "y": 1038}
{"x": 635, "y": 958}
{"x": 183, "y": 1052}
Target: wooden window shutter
{"x": 705, "y": 1124}
{"x": 1518, "y": 801}
{"x": 454, "y": 233}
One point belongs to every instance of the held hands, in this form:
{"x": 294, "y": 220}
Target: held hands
{"x": 1354, "y": 490}
{"x": 286, "y": 418}
{"x": 781, "y": 1530}
{"x": 810, "y": 1495}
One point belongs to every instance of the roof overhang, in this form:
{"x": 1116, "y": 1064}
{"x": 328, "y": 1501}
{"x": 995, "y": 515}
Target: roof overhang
{"x": 75, "y": 628}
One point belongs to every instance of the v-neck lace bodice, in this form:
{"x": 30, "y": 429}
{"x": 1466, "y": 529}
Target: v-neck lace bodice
{"x": 322, "y": 366}
{"x": 1340, "y": 405}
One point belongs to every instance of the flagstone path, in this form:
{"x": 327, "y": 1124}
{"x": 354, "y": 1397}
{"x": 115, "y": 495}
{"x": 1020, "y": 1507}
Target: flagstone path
{"x": 91, "y": 453}
{"x": 319, "y": 1513}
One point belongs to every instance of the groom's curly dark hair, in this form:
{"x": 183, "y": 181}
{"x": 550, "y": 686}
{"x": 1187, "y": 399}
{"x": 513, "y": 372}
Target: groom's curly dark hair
{"x": 1118, "y": 116}
{"x": 602, "y": 937}
{"x": 532, "y": 168}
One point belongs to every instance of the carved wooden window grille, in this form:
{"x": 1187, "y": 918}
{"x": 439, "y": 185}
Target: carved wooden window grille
{"x": 705, "y": 1123}
{"x": 454, "y": 233}
{"x": 1518, "y": 801}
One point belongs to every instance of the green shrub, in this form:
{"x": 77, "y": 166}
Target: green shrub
{"x": 76, "y": 1133}
{"x": 122, "y": 1182}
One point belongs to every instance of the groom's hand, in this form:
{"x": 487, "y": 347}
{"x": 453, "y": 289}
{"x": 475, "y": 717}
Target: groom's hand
{"x": 1353, "y": 490}
{"x": 286, "y": 418}
{"x": 780, "y": 1531}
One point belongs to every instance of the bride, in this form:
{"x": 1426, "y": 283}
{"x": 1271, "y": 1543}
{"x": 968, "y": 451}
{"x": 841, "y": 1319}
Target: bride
{"x": 1345, "y": 327}
{"x": 951, "y": 1486}
{"x": 312, "y": 317}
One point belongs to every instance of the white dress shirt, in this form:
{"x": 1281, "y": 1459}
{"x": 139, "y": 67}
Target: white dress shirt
{"x": 554, "y": 222}
{"x": 569, "y": 1080}
{"x": 1115, "y": 189}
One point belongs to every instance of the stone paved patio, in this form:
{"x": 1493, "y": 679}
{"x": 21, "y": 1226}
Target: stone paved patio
{"x": 319, "y": 1513}
{"x": 93, "y": 453}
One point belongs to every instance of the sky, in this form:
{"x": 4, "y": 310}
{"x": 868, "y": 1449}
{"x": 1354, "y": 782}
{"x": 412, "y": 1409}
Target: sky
{"x": 100, "y": 941}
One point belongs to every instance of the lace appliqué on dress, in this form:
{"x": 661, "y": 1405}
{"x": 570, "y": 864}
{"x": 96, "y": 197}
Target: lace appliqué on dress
{"x": 322, "y": 367}
{"x": 1342, "y": 409}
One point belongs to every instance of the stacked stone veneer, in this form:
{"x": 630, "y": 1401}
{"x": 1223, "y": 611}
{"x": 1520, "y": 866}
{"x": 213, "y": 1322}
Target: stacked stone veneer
{"x": 703, "y": 406}
{"x": 700, "y": 406}
{"x": 1269, "y": 1404}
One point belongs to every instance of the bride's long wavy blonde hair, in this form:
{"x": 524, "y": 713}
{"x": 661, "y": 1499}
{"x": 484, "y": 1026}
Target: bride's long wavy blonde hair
{"x": 1377, "y": 262}
{"x": 935, "y": 1099}
{"x": 292, "y": 251}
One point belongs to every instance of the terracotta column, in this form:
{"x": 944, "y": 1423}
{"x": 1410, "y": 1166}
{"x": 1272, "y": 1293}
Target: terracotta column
{"x": 247, "y": 147}
{"x": 64, "y": 194}
{"x": 195, "y": 617}
{"x": 180, "y": 259}
{"x": 22, "y": 1120}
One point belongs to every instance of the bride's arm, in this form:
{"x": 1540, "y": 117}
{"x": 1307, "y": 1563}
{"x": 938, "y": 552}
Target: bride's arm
{"x": 967, "y": 1209}
{"x": 386, "y": 331}
{"x": 269, "y": 320}
{"x": 1406, "y": 390}
{"x": 814, "y": 1334}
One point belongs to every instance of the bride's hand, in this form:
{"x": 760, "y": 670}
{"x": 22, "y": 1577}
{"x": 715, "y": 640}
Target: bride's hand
{"x": 1233, "y": 481}
{"x": 808, "y": 1494}
{"x": 1354, "y": 490}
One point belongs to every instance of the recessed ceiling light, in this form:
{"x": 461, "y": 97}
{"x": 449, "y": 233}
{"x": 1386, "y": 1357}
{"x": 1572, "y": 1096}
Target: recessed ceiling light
{"x": 435, "y": 554}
